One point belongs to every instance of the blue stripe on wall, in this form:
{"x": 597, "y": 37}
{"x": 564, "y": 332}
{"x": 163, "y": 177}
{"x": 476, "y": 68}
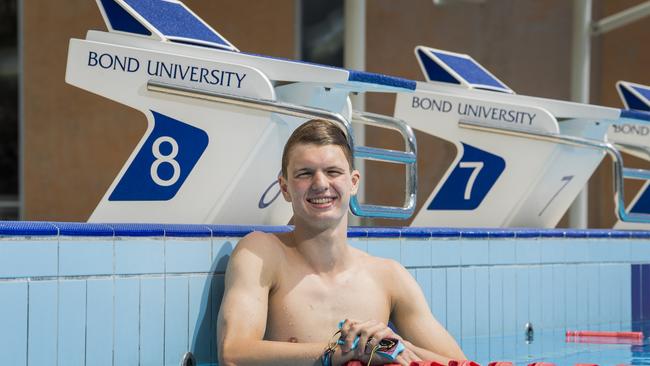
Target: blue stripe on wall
{"x": 645, "y": 292}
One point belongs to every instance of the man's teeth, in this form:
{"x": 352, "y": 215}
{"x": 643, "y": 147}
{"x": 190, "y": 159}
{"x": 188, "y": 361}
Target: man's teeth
{"x": 320, "y": 200}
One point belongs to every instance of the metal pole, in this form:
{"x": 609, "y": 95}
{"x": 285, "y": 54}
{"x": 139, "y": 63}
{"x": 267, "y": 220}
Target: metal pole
{"x": 354, "y": 57}
{"x": 297, "y": 29}
{"x": 622, "y": 18}
{"x": 21, "y": 111}
{"x": 580, "y": 71}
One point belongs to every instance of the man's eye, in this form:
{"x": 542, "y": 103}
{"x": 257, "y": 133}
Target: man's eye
{"x": 303, "y": 175}
{"x": 335, "y": 173}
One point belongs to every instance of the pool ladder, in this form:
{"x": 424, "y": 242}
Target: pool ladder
{"x": 407, "y": 157}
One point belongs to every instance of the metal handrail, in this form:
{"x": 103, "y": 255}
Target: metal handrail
{"x": 408, "y": 158}
{"x": 362, "y": 152}
{"x": 619, "y": 171}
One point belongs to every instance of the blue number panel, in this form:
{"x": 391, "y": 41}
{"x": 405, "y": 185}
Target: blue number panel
{"x": 452, "y": 195}
{"x": 163, "y": 163}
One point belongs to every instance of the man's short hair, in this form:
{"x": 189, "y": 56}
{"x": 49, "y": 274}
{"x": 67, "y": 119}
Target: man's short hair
{"x": 320, "y": 133}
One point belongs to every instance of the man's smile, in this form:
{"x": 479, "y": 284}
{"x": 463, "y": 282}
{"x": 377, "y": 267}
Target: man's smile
{"x": 322, "y": 200}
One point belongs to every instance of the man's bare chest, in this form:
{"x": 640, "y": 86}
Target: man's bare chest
{"x": 307, "y": 307}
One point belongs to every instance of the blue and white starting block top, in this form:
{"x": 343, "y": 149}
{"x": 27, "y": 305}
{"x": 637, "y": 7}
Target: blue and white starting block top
{"x": 634, "y": 96}
{"x": 455, "y": 68}
{"x": 218, "y": 120}
{"x": 161, "y": 20}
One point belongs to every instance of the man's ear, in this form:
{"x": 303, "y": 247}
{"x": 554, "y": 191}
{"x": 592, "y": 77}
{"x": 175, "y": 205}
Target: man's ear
{"x": 283, "y": 188}
{"x": 356, "y": 178}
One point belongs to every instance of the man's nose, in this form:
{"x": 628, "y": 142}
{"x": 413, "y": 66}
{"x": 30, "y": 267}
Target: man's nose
{"x": 319, "y": 181}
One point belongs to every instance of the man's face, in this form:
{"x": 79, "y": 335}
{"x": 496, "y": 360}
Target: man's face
{"x": 319, "y": 183}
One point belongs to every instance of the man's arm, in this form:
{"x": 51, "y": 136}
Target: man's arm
{"x": 415, "y": 323}
{"x": 242, "y": 317}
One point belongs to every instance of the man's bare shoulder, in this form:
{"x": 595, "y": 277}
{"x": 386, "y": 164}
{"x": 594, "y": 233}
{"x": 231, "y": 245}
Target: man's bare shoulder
{"x": 264, "y": 245}
{"x": 385, "y": 267}
{"x": 256, "y": 258}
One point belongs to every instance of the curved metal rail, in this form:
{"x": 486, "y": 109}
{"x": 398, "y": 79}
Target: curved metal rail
{"x": 619, "y": 173}
{"x": 408, "y": 158}
{"x": 401, "y": 157}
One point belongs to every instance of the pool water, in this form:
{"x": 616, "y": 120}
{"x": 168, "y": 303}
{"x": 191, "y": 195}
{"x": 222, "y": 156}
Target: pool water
{"x": 553, "y": 346}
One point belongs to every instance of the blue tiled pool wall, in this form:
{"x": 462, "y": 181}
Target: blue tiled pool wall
{"x": 138, "y": 294}
{"x": 641, "y": 293}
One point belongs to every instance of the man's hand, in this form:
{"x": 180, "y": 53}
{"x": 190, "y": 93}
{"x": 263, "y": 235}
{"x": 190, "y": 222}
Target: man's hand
{"x": 370, "y": 333}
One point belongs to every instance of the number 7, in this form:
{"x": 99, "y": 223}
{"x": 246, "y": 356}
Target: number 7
{"x": 476, "y": 166}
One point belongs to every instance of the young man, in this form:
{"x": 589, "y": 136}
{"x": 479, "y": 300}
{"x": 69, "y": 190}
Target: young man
{"x": 286, "y": 294}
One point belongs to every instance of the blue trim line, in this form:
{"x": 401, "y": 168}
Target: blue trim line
{"x": 187, "y": 231}
{"x": 230, "y": 230}
{"x": 526, "y": 233}
{"x": 620, "y": 234}
{"x": 416, "y": 232}
{"x": 552, "y": 233}
{"x": 445, "y": 233}
{"x": 501, "y": 233}
{"x": 379, "y": 79}
{"x": 474, "y": 233}
{"x": 599, "y": 234}
{"x": 638, "y": 234}
{"x": 138, "y": 229}
{"x": 357, "y": 232}
{"x": 27, "y": 228}
{"x": 629, "y": 113}
{"x": 42, "y": 228}
{"x": 576, "y": 234}
{"x": 84, "y": 229}
{"x": 274, "y": 229}
{"x": 384, "y": 232}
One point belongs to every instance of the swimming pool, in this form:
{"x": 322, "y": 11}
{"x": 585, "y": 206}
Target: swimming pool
{"x": 552, "y": 346}
{"x": 127, "y": 294}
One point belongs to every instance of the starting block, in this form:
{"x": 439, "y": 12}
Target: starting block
{"x": 217, "y": 118}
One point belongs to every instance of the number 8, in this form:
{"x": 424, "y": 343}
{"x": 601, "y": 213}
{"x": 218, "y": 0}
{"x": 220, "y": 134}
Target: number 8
{"x": 160, "y": 158}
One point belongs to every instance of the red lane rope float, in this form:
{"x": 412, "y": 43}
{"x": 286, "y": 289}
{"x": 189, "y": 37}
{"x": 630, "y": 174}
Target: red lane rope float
{"x": 462, "y": 363}
{"x": 359, "y": 363}
{"x": 433, "y": 363}
{"x": 451, "y": 363}
{"x": 605, "y": 340}
{"x": 541, "y": 364}
{"x": 595, "y": 333}
{"x": 500, "y": 363}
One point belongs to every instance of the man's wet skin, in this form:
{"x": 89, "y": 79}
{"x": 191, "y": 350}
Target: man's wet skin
{"x": 306, "y": 306}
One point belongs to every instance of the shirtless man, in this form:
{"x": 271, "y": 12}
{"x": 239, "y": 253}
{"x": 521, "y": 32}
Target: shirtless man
{"x": 285, "y": 294}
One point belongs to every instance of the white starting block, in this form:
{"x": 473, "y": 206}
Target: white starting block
{"x": 217, "y": 118}
{"x": 634, "y": 139}
{"x": 521, "y": 161}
